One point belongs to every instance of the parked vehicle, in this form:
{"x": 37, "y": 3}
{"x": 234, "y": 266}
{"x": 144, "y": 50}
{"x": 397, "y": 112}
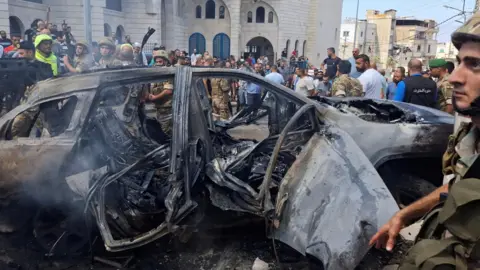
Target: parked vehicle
{"x": 318, "y": 170}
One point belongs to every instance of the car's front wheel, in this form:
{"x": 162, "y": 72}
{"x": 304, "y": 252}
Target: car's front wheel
{"x": 408, "y": 188}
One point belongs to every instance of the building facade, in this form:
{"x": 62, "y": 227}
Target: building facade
{"x": 385, "y": 23}
{"x": 366, "y": 38}
{"x": 415, "y": 39}
{"x": 222, "y": 27}
{"x": 447, "y": 51}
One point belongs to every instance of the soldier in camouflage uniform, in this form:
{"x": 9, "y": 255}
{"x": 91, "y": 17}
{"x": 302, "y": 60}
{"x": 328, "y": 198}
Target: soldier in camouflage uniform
{"x": 220, "y": 97}
{"x": 449, "y": 237}
{"x": 344, "y": 85}
{"x": 438, "y": 68}
{"x": 82, "y": 61}
{"x": 162, "y": 93}
{"x": 107, "y": 51}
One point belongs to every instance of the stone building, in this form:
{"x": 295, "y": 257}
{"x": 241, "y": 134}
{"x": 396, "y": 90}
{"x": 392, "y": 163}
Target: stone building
{"x": 366, "y": 38}
{"x": 415, "y": 39}
{"x": 222, "y": 27}
{"x": 446, "y": 50}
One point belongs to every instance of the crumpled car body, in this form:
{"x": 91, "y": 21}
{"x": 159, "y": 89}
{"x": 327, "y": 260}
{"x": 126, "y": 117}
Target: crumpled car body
{"x": 314, "y": 177}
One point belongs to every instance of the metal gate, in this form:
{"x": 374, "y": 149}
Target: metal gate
{"x": 221, "y": 46}
{"x": 196, "y": 41}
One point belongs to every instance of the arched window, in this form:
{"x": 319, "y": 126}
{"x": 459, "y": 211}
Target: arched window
{"x": 287, "y": 47}
{"x": 107, "y": 30}
{"x": 296, "y": 45}
{"x": 260, "y": 15}
{"x": 270, "y": 17}
{"x": 304, "y": 47}
{"x": 221, "y": 12}
{"x": 198, "y": 12}
{"x": 249, "y": 17}
{"x": 210, "y": 9}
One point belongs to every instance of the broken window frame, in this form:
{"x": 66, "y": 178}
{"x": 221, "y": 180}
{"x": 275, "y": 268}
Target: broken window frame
{"x": 83, "y": 100}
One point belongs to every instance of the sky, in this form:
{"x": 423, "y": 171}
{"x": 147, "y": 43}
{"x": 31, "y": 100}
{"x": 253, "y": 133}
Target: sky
{"x": 420, "y": 9}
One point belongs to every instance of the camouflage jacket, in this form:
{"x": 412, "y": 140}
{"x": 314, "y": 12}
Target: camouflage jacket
{"x": 158, "y": 88}
{"x": 344, "y": 86}
{"x": 445, "y": 92}
{"x": 82, "y": 63}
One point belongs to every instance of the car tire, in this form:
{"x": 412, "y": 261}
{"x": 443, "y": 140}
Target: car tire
{"x": 409, "y": 188}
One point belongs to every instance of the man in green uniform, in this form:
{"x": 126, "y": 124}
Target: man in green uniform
{"x": 82, "y": 60}
{"x": 107, "y": 50}
{"x": 438, "y": 69}
{"x": 162, "y": 94}
{"x": 344, "y": 85}
{"x": 220, "y": 97}
{"x": 450, "y": 233}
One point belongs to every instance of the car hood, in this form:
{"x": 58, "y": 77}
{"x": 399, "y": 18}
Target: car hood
{"x": 332, "y": 201}
{"x": 388, "y": 111}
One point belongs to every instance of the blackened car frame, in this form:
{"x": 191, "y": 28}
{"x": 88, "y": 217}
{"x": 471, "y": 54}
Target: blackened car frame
{"x": 327, "y": 175}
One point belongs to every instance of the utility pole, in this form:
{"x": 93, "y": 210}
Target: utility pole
{"x": 356, "y": 25}
{"x": 87, "y": 21}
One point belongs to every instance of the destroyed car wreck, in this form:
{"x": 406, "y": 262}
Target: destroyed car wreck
{"x": 316, "y": 176}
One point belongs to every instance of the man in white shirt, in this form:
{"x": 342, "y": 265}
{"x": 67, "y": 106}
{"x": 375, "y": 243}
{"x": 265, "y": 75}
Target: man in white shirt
{"x": 193, "y": 57}
{"x": 274, "y": 76}
{"x": 374, "y": 84}
{"x": 304, "y": 84}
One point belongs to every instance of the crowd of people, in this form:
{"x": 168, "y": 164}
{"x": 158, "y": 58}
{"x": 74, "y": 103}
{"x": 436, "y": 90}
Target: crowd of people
{"x": 356, "y": 77}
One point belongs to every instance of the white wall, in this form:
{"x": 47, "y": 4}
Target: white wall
{"x": 4, "y": 14}
{"x": 327, "y": 25}
{"x": 251, "y": 30}
{"x": 209, "y": 28}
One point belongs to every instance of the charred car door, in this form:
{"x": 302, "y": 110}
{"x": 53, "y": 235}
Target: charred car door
{"x": 308, "y": 177}
{"x": 144, "y": 188}
{"x": 45, "y": 133}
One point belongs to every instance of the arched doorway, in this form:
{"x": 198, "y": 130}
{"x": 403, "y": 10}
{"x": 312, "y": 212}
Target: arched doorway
{"x": 107, "y": 30}
{"x": 259, "y": 46}
{"x": 221, "y": 46}
{"x": 16, "y": 26}
{"x": 196, "y": 41}
{"x": 120, "y": 34}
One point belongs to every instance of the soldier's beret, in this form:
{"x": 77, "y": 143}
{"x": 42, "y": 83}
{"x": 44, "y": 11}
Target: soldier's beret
{"x": 437, "y": 63}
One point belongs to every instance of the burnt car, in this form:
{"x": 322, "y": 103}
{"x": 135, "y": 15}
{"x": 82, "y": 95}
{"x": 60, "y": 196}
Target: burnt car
{"x": 325, "y": 173}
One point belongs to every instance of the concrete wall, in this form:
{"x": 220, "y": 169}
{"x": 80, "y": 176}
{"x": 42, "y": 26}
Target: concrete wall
{"x": 26, "y": 12}
{"x": 209, "y": 28}
{"x": 326, "y": 23}
{"x": 4, "y": 14}
{"x": 254, "y": 29}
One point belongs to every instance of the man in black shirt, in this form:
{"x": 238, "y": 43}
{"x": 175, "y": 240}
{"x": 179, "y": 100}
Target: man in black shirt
{"x": 330, "y": 64}
{"x": 4, "y": 41}
{"x": 418, "y": 89}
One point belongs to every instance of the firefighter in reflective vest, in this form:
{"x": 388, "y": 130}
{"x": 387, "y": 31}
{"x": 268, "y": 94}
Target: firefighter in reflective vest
{"x": 450, "y": 234}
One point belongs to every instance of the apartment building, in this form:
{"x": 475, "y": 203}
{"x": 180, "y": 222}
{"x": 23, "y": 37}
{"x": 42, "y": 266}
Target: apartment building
{"x": 415, "y": 39}
{"x": 446, "y": 51}
{"x": 386, "y": 23}
{"x": 366, "y": 38}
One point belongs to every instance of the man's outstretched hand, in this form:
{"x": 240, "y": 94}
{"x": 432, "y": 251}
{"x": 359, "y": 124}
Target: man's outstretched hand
{"x": 387, "y": 235}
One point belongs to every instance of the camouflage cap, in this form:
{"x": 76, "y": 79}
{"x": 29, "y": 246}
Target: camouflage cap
{"x": 84, "y": 44}
{"x": 470, "y": 31}
{"x": 107, "y": 42}
{"x": 160, "y": 53}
